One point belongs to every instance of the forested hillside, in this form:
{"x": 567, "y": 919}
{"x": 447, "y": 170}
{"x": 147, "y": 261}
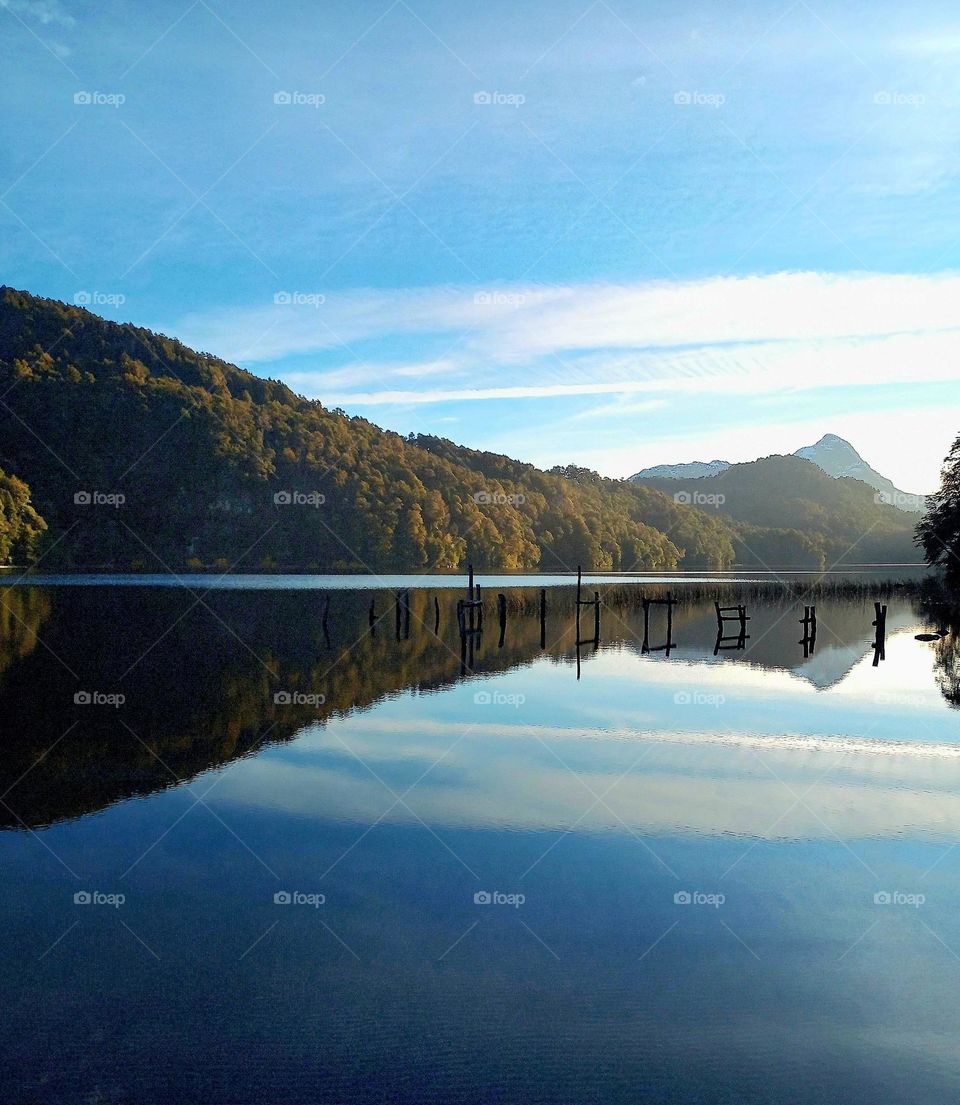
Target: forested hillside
{"x": 142, "y": 453}
{"x": 21, "y": 528}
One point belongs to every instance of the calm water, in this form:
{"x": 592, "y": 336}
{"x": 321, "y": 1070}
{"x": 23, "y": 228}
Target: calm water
{"x": 374, "y": 866}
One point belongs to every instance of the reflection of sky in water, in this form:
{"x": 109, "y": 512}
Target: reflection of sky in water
{"x": 702, "y": 747}
{"x": 798, "y": 797}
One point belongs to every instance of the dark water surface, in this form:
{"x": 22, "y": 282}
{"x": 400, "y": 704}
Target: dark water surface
{"x": 373, "y": 866}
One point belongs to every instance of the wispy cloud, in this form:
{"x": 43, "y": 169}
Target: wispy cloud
{"x": 46, "y": 12}
{"x": 727, "y": 335}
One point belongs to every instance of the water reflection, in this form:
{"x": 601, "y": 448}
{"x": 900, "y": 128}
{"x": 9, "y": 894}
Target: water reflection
{"x": 207, "y": 679}
{"x": 721, "y": 856}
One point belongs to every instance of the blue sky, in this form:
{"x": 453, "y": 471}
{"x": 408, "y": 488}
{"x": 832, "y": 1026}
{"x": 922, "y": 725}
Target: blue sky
{"x": 615, "y": 234}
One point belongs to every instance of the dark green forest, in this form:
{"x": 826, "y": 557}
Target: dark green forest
{"x": 142, "y": 454}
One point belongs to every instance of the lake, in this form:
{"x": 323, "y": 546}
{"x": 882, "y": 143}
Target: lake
{"x": 292, "y": 842}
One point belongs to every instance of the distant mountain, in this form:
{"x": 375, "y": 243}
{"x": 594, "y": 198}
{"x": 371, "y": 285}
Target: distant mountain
{"x": 838, "y": 457}
{"x": 786, "y": 510}
{"x": 692, "y": 470}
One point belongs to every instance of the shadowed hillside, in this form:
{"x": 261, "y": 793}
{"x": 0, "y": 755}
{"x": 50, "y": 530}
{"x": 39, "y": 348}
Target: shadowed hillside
{"x": 784, "y": 509}
{"x": 142, "y": 453}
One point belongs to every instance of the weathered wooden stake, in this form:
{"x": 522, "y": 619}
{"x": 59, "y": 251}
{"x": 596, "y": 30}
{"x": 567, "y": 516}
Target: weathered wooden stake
{"x": 543, "y": 617}
{"x": 880, "y": 639}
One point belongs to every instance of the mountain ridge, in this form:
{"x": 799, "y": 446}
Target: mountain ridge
{"x": 832, "y": 453}
{"x": 140, "y": 453}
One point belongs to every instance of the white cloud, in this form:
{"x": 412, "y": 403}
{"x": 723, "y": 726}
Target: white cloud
{"x": 47, "y": 12}
{"x": 643, "y": 344}
{"x": 725, "y": 327}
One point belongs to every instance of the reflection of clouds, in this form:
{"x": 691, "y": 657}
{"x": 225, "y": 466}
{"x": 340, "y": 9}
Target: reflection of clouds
{"x": 898, "y": 701}
{"x": 706, "y": 783}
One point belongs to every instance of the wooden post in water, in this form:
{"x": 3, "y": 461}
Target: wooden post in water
{"x": 372, "y": 616}
{"x": 669, "y": 602}
{"x": 436, "y": 615}
{"x": 543, "y": 617}
{"x": 594, "y": 602}
{"x": 398, "y": 615}
{"x": 809, "y": 623}
{"x": 880, "y": 638}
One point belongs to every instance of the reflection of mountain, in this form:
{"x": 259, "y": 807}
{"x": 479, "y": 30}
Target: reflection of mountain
{"x": 844, "y": 636}
{"x": 831, "y": 664}
{"x": 199, "y": 677}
